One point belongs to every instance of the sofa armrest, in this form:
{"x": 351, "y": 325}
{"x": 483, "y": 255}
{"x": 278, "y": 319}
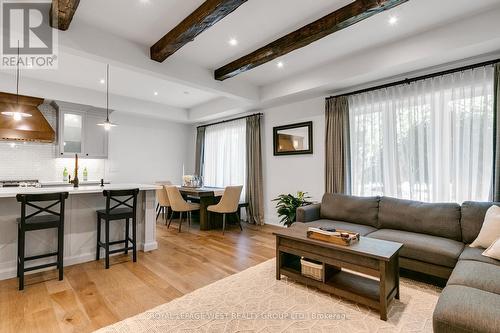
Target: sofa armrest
{"x": 308, "y": 213}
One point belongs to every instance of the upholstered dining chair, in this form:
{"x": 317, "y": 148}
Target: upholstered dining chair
{"x": 163, "y": 204}
{"x": 179, "y": 205}
{"x": 228, "y": 204}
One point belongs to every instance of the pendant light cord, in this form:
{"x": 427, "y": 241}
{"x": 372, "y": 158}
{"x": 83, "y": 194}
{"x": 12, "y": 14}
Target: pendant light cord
{"x": 17, "y": 75}
{"x": 107, "y": 93}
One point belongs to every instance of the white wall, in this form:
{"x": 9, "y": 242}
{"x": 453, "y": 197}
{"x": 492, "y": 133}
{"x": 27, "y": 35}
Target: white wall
{"x": 144, "y": 150}
{"x": 289, "y": 174}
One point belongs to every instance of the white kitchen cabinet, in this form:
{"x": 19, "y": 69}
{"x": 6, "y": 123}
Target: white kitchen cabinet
{"x": 95, "y": 137}
{"x": 78, "y": 132}
{"x": 71, "y": 132}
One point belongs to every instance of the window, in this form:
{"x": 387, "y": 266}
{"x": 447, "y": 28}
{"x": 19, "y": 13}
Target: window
{"x": 431, "y": 140}
{"x": 225, "y": 155}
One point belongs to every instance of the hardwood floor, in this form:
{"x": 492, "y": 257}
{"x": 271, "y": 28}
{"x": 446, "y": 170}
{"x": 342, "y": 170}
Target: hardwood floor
{"x": 91, "y": 297}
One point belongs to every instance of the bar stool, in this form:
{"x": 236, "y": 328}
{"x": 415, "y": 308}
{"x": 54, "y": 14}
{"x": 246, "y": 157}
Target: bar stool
{"x": 118, "y": 208}
{"x": 33, "y": 221}
{"x": 228, "y": 204}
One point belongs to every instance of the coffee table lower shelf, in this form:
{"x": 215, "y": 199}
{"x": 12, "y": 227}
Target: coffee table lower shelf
{"x": 344, "y": 284}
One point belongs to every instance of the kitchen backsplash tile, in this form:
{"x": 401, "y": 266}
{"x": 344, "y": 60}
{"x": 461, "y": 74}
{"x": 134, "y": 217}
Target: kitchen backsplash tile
{"x": 37, "y": 161}
{"x": 30, "y": 160}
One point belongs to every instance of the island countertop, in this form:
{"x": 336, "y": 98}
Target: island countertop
{"x": 11, "y": 192}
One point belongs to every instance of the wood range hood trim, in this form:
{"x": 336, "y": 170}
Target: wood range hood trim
{"x": 35, "y": 128}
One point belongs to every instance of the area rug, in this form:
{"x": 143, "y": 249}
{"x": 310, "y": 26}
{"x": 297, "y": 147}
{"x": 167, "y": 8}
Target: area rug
{"x": 254, "y": 301}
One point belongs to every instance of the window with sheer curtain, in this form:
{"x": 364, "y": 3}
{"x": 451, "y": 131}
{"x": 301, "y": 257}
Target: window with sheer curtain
{"x": 225, "y": 155}
{"x": 431, "y": 140}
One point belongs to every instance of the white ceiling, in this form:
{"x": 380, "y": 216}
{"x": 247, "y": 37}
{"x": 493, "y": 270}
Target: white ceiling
{"x": 87, "y": 73}
{"x": 141, "y": 21}
{"x": 120, "y": 32}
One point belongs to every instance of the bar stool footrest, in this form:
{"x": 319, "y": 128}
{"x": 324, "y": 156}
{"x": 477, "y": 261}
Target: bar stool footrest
{"x": 117, "y": 242}
{"x": 41, "y": 256}
{"x": 34, "y": 268}
{"x": 130, "y": 248}
{"x": 103, "y": 245}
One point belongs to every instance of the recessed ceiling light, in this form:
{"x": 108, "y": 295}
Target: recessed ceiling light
{"x": 280, "y": 64}
{"x": 393, "y": 20}
{"x": 102, "y": 81}
{"x": 233, "y": 42}
{"x": 146, "y": 2}
{"x": 156, "y": 93}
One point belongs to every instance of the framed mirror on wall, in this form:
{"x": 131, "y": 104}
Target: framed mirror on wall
{"x": 293, "y": 139}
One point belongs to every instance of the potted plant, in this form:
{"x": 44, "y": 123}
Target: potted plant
{"x": 287, "y": 205}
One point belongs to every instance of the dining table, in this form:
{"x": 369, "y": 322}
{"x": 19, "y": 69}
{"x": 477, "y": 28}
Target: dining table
{"x": 207, "y": 196}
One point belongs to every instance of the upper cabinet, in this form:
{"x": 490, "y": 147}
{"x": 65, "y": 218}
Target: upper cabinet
{"x": 96, "y": 137}
{"x": 78, "y": 132}
{"x": 71, "y": 132}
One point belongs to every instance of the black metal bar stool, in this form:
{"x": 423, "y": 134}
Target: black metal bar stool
{"x": 33, "y": 221}
{"x": 118, "y": 208}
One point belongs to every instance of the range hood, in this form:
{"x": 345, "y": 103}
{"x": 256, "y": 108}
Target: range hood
{"x": 35, "y": 128}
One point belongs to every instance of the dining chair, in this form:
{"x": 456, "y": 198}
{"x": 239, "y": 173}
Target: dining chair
{"x": 179, "y": 205}
{"x": 162, "y": 202}
{"x": 228, "y": 204}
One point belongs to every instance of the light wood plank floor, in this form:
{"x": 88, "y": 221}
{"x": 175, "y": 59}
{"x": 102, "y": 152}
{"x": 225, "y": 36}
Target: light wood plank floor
{"x": 91, "y": 297}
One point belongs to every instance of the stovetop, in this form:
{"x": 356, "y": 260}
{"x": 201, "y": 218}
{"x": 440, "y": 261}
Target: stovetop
{"x": 20, "y": 183}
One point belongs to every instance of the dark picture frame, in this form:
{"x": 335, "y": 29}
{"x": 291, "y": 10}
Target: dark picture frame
{"x": 288, "y": 144}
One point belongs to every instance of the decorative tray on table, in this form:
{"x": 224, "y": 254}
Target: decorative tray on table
{"x": 334, "y": 236}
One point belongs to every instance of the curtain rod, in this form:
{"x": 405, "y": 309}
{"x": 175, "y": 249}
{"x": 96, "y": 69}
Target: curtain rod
{"x": 226, "y": 121}
{"x": 419, "y": 78}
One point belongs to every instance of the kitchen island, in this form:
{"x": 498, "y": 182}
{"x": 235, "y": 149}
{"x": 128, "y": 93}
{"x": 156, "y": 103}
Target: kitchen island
{"x": 80, "y": 231}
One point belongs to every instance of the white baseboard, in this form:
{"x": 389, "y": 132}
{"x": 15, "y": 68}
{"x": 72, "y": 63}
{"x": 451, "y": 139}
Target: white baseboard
{"x": 149, "y": 246}
{"x": 273, "y": 219}
{"x": 11, "y": 271}
{"x": 273, "y": 223}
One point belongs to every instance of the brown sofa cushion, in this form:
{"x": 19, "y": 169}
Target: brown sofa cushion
{"x": 359, "y": 210}
{"x": 472, "y": 219}
{"x": 437, "y": 219}
{"x": 473, "y": 253}
{"x": 463, "y": 309}
{"x": 363, "y": 230}
{"x": 425, "y": 248}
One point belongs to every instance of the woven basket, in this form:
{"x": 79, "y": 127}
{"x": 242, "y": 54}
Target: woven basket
{"x": 311, "y": 270}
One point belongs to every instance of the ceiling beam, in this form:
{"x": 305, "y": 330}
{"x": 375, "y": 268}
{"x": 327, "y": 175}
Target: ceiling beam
{"x": 61, "y": 13}
{"x": 205, "y": 16}
{"x": 335, "y": 21}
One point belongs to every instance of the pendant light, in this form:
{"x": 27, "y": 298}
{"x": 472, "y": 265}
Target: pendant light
{"x": 107, "y": 124}
{"x": 17, "y": 114}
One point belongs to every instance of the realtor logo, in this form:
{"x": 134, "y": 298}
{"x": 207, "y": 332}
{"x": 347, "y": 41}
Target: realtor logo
{"x": 26, "y": 24}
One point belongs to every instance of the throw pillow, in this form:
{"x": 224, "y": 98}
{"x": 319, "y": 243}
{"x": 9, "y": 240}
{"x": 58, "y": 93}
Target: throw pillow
{"x": 490, "y": 231}
{"x": 493, "y": 251}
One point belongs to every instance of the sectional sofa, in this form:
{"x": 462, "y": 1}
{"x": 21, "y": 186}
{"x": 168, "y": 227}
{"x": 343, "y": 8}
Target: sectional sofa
{"x": 435, "y": 238}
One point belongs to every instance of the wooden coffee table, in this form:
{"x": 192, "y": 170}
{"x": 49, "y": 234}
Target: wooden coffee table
{"x": 376, "y": 260}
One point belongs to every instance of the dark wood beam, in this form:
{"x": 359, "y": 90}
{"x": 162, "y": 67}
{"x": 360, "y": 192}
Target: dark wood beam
{"x": 205, "y": 16}
{"x": 62, "y": 12}
{"x": 338, "y": 20}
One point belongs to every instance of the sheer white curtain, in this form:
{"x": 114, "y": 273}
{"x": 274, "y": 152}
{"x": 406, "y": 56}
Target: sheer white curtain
{"x": 225, "y": 155}
{"x": 431, "y": 140}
